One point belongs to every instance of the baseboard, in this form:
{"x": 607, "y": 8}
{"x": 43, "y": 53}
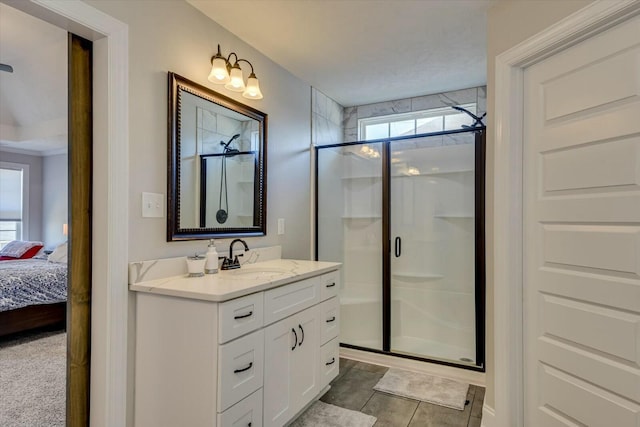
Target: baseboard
{"x": 463, "y": 375}
{"x": 488, "y": 416}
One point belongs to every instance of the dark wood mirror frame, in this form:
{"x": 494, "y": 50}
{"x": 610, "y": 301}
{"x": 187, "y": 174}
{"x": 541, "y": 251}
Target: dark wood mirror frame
{"x": 177, "y": 85}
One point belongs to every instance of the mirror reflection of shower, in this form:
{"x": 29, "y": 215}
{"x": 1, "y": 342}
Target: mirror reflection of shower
{"x": 223, "y": 213}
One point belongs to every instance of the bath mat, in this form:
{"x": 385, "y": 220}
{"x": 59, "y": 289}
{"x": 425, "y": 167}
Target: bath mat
{"x": 322, "y": 414}
{"x": 424, "y": 387}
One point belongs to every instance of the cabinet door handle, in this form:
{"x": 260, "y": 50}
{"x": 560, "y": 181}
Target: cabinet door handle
{"x": 333, "y": 318}
{"x": 237, "y": 371}
{"x": 301, "y": 330}
{"x": 333, "y": 360}
{"x": 331, "y": 285}
{"x": 398, "y": 247}
{"x": 295, "y": 341}
{"x": 243, "y": 316}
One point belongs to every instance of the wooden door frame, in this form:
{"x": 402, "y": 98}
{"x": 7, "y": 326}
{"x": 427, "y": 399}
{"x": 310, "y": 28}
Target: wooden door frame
{"x": 508, "y": 364}
{"x": 80, "y": 171}
{"x": 110, "y": 387}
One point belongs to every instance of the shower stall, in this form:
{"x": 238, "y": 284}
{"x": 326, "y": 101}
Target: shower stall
{"x": 405, "y": 216}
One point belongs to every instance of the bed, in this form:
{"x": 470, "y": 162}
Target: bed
{"x": 33, "y": 294}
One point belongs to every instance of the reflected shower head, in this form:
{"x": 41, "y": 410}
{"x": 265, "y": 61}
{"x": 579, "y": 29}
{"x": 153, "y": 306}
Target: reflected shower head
{"x": 226, "y": 145}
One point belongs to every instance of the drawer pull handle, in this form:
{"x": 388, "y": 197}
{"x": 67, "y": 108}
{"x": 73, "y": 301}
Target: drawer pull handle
{"x": 332, "y": 319}
{"x": 333, "y": 360}
{"x": 243, "y": 316}
{"x": 237, "y": 371}
{"x": 331, "y": 285}
{"x": 295, "y": 341}
{"x": 301, "y": 330}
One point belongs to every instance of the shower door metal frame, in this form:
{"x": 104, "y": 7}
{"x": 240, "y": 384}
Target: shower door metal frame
{"x": 480, "y": 258}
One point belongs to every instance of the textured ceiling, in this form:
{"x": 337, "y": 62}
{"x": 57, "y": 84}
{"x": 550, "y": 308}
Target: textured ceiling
{"x": 33, "y": 99}
{"x": 364, "y": 51}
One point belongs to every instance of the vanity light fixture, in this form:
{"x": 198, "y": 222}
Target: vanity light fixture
{"x": 228, "y": 73}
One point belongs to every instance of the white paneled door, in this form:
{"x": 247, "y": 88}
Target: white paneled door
{"x": 582, "y": 234}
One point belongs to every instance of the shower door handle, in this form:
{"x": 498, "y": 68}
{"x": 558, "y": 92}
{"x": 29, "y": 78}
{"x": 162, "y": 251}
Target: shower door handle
{"x": 398, "y": 246}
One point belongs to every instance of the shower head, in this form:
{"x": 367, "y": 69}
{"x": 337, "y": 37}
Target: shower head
{"x": 226, "y": 145}
{"x": 477, "y": 120}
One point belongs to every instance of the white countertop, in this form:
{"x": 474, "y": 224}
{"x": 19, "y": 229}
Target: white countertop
{"x": 226, "y": 285}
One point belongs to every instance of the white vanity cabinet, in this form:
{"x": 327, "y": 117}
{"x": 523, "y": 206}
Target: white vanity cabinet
{"x": 255, "y": 360}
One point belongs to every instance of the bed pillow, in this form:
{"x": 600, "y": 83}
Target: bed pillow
{"x": 59, "y": 254}
{"x": 18, "y": 249}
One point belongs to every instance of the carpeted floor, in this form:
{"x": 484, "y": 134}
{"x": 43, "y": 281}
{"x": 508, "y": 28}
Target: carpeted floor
{"x": 33, "y": 380}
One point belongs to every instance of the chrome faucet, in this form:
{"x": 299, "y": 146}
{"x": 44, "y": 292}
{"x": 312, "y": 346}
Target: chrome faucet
{"x": 232, "y": 262}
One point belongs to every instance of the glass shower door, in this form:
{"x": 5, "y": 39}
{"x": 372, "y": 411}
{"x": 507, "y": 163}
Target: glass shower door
{"x": 432, "y": 227}
{"x": 349, "y": 221}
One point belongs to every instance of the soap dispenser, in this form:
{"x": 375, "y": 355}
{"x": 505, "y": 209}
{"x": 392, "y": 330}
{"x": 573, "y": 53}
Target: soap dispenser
{"x": 211, "y": 266}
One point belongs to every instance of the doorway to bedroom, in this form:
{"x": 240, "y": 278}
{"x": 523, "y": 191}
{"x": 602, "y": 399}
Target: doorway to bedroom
{"x": 46, "y": 118}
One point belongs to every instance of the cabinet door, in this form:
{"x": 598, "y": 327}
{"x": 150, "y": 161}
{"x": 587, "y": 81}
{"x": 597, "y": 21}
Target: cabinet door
{"x": 305, "y": 372}
{"x": 292, "y": 370}
{"x": 280, "y": 341}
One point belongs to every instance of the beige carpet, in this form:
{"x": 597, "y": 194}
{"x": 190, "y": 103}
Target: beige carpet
{"x": 322, "y": 414}
{"x": 33, "y": 381}
{"x": 424, "y": 387}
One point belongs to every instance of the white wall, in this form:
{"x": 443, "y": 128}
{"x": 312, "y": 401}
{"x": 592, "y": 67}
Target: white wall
{"x": 173, "y": 36}
{"x": 34, "y": 227}
{"x": 509, "y": 23}
{"x": 54, "y": 199}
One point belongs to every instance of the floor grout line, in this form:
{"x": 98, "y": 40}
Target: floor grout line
{"x": 414, "y": 414}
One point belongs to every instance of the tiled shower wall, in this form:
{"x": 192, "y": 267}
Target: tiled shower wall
{"x": 326, "y": 119}
{"x": 333, "y": 124}
{"x": 419, "y": 103}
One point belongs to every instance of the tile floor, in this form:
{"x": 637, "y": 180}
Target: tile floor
{"x": 353, "y": 389}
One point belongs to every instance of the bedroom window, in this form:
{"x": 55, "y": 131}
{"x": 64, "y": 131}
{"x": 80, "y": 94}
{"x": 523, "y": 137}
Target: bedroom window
{"x": 14, "y": 194}
{"x": 414, "y": 123}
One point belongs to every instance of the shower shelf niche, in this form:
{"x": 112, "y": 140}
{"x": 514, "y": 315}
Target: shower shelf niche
{"x": 409, "y": 276}
{"x": 433, "y": 174}
{"x": 454, "y": 216}
{"x": 362, "y": 217}
{"x": 372, "y": 177}
{"x": 372, "y": 249}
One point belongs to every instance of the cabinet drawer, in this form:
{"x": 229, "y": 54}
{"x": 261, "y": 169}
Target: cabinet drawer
{"x": 330, "y": 283}
{"x": 240, "y": 316}
{"x": 329, "y": 362}
{"x": 247, "y": 412}
{"x": 289, "y": 299}
{"x": 240, "y": 369}
{"x": 329, "y": 319}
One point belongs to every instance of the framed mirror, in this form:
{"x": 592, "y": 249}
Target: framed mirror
{"x": 216, "y": 165}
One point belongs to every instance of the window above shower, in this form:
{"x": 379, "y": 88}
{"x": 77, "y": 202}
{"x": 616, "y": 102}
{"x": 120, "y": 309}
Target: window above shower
{"x": 414, "y": 123}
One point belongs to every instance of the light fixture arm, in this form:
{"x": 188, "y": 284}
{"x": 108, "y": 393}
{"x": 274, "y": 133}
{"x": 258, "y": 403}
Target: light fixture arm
{"x": 229, "y": 63}
{"x": 244, "y": 60}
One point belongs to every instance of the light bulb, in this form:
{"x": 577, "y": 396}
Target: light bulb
{"x": 236, "y": 82}
{"x": 253, "y": 88}
{"x": 219, "y": 73}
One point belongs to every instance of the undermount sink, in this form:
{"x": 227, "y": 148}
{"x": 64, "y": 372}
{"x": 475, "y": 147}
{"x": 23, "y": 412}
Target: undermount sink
{"x": 252, "y": 273}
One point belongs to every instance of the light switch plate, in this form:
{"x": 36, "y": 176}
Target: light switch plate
{"x": 280, "y": 225}
{"x": 152, "y": 205}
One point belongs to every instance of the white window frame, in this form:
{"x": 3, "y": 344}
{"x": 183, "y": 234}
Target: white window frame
{"x": 414, "y": 115}
{"x": 25, "y": 194}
